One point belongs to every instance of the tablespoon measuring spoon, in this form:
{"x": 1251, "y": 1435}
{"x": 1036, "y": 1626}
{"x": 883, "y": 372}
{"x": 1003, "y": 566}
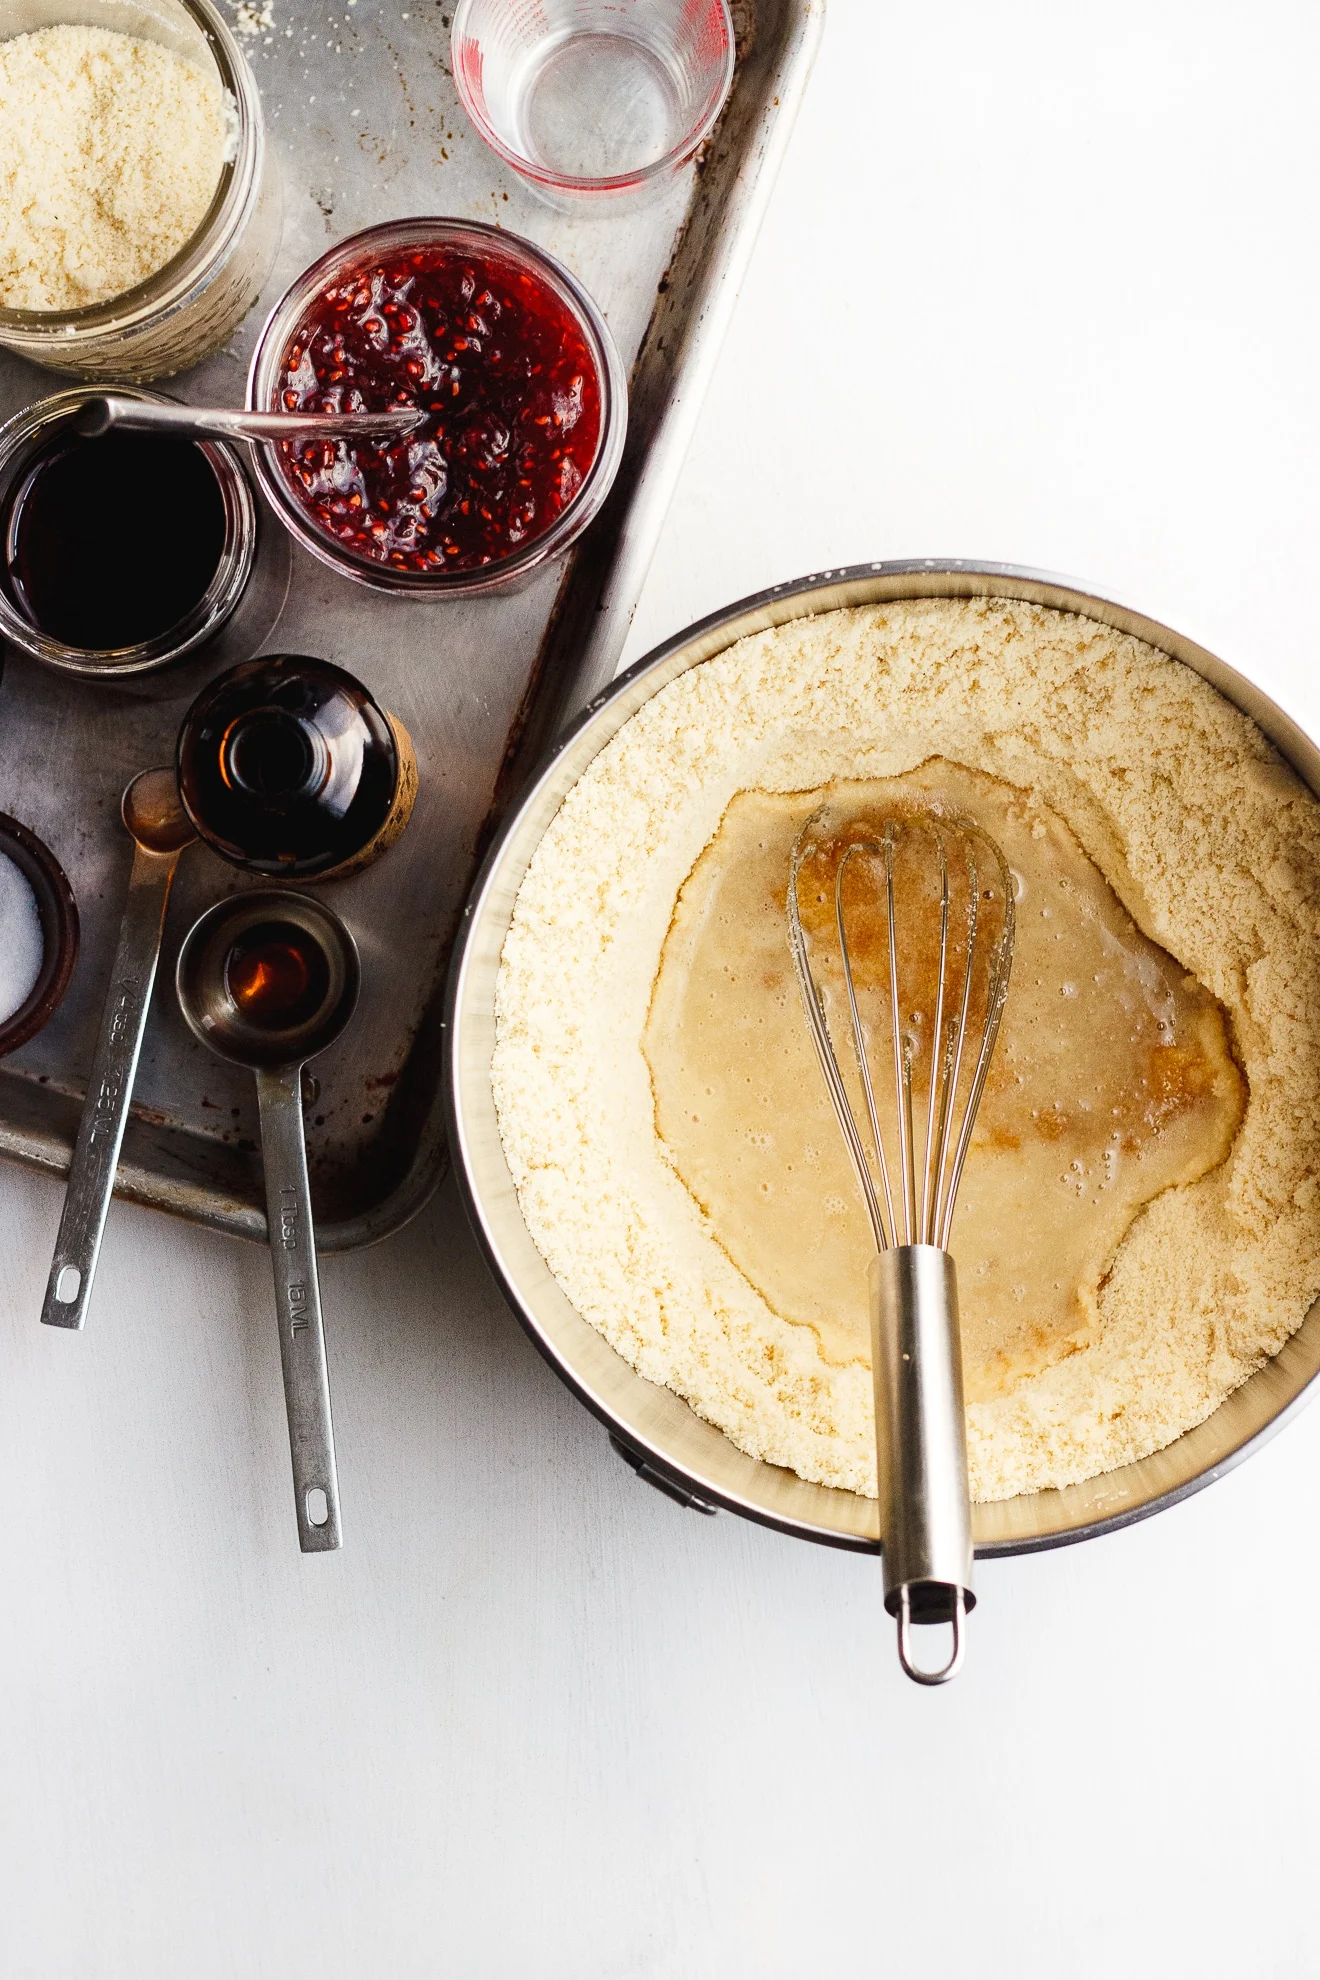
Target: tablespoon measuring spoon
{"x": 267, "y": 980}
{"x": 160, "y": 828}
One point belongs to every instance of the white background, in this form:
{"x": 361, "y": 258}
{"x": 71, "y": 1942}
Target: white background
{"x": 1039, "y": 284}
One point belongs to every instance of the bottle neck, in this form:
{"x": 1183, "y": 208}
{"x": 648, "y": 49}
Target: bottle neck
{"x": 274, "y": 755}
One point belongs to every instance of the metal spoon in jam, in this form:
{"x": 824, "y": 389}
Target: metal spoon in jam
{"x": 110, "y": 414}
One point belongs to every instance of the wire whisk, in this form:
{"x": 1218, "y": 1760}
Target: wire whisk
{"x": 901, "y": 931}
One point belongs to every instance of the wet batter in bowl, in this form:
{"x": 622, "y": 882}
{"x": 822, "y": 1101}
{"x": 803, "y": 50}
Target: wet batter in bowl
{"x": 1112, "y": 1081}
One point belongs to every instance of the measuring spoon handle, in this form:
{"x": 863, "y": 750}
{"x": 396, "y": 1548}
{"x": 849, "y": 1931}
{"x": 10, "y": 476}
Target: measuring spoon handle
{"x": 105, "y": 1110}
{"x": 298, "y": 1307}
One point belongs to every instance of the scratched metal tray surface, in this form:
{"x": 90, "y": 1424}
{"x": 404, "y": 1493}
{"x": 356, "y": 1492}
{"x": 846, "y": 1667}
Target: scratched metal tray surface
{"x": 365, "y": 125}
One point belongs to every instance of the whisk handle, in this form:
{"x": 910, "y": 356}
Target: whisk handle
{"x": 921, "y": 1444}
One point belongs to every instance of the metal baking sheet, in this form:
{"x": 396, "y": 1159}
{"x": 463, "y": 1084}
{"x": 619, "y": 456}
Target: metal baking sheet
{"x": 366, "y": 126}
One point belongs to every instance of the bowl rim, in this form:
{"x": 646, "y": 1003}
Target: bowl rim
{"x": 424, "y": 230}
{"x": 654, "y": 1423}
{"x": 59, "y": 931}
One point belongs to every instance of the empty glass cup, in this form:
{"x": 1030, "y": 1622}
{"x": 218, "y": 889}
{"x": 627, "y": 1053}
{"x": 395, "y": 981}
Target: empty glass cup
{"x": 593, "y": 99}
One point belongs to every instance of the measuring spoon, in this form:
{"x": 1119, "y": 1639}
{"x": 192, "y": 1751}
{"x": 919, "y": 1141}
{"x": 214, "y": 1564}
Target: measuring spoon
{"x": 160, "y": 828}
{"x": 267, "y": 980}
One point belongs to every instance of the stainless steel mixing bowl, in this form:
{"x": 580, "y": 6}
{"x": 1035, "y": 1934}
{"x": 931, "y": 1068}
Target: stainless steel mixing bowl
{"x": 674, "y": 1447}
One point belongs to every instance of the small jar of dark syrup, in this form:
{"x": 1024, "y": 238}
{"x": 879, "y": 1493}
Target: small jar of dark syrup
{"x": 288, "y": 767}
{"x": 117, "y": 555}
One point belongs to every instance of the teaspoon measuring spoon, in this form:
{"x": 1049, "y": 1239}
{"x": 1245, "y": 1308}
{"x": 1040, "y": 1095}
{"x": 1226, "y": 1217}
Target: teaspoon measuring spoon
{"x": 109, "y": 413}
{"x": 267, "y": 980}
{"x": 160, "y": 828}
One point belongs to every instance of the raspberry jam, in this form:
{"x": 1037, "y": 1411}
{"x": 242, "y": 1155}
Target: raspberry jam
{"x": 510, "y": 389}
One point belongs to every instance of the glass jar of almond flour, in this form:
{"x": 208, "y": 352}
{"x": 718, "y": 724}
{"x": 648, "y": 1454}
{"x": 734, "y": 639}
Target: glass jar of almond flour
{"x": 189, "y": 306}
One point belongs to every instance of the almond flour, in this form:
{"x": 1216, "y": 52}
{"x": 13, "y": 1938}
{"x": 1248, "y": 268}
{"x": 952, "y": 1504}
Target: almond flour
{"x": 1212, "y": 845}
{"x": 111, "y": 149}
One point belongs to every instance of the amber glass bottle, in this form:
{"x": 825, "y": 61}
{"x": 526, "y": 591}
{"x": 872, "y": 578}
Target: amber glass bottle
{"x": 288, "y": 767}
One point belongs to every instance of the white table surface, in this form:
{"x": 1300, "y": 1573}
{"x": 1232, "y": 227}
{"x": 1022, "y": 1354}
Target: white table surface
{"x": 1039, "y": 284}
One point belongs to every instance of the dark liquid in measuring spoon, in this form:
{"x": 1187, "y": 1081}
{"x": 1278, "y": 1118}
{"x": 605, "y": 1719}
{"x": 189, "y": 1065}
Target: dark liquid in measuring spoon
{"x": 113, "y": 542}
{"x": 277, "y": 976}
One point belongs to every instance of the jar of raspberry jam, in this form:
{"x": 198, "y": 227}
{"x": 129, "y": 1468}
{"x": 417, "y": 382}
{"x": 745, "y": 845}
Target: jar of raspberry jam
{"x": 521, "y": 391}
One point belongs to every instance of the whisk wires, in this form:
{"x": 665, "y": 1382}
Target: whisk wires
{"x": 926, "y": 1199}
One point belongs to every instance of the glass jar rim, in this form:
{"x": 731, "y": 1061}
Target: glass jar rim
{"x": 213, "y": 608}
{"x": 583, "y": 185}
{"x": 440, "y": 232}
{"x": 58, "y": 912}
{"x": 216, "y": 224}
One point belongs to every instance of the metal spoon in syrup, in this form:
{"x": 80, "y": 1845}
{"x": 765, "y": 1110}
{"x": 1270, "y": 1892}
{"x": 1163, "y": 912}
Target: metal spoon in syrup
{"x": 160, "y": 828}
{"x": 267, "y": 980}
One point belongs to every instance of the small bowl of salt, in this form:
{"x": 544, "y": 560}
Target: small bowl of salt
{"x": 38, "y": 933}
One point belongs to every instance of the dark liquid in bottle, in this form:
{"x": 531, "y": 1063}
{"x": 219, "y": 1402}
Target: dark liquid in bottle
{"x": 287, "y": 766}
{"x": 277, "y": 975}
{"x": 110, "y": 543}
